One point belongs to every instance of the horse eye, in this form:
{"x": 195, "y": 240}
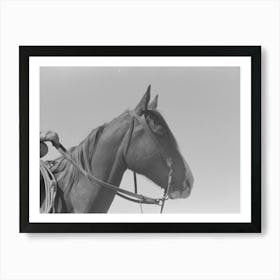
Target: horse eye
{"x": 158, "y": 130}
{"x": 155, "y": 126}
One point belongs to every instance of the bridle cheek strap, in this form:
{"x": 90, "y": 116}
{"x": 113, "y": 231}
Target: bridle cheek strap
{"x": 161, "y": 153}
{"x": 128, "y": 138}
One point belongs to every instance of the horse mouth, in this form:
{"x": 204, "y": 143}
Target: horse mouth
{"x": 180, "y": 194}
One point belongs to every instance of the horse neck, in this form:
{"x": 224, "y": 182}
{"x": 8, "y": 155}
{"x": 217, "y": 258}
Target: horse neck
{"x": 107, "y": 162}
{"x": 101, "y": 154}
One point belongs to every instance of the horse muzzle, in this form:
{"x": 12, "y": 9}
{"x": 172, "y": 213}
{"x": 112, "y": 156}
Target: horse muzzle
{"x": 184, "y": 193}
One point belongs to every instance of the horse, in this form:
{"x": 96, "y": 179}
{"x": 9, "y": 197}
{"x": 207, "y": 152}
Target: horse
{"x": 110, "y": 149}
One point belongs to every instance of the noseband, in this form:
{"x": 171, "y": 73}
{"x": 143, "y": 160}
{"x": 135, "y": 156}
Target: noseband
{"x": 131, "y": 196}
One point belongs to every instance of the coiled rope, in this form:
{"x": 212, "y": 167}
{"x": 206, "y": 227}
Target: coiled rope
{"x": 50, "y": 188}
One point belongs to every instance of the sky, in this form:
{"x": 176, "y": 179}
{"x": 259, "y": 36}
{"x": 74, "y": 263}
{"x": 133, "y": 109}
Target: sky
{"x": 200, "y": 104}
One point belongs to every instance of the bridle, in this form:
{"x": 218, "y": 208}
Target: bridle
{"x": 161, "y": 152}
{"x": 131, "y": 196}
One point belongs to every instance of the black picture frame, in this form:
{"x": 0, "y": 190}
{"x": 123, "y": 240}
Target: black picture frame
{"x": 25, "y": 52}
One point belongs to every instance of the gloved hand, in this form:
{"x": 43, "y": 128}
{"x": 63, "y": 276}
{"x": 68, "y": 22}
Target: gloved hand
{"x": 49, "y": 136}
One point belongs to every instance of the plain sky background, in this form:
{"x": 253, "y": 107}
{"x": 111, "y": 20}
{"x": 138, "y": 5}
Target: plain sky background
{"x": 200, "y": 104}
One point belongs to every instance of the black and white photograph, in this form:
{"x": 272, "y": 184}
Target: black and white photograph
{"x": 140, "y": 140}
{"x": 153, "y": 137}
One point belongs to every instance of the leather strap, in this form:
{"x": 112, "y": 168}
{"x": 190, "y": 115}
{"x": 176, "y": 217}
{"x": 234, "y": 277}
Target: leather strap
{"x": 140, "y": 198}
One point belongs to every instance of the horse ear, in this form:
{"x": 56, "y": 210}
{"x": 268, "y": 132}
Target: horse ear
{"x": 141, "y": 108}
{"x": 153, "y": 104}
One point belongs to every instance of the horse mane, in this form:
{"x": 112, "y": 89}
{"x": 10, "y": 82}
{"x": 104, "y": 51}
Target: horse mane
{"x": 82, "y": 154}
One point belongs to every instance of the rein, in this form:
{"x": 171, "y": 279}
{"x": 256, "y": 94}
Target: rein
{"x": 131, "y": 196}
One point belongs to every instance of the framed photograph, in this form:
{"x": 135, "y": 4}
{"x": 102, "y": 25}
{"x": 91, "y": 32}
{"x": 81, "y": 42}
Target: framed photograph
{"x": 140, "y": 138}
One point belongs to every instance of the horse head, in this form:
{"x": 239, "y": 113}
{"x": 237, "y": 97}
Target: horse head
{"x": 152, "y": 145}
